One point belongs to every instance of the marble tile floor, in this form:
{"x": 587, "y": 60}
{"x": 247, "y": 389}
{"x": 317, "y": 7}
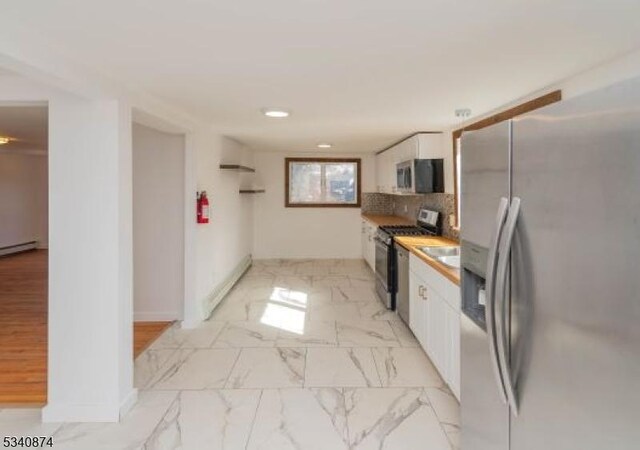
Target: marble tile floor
{"x": 300, "y": 355}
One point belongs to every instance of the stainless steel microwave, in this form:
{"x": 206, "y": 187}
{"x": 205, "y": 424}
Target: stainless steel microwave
{"x": 420, "y": 176}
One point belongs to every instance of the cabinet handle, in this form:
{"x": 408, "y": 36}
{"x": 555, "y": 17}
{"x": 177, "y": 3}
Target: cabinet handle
{"x": 426, "y": 296}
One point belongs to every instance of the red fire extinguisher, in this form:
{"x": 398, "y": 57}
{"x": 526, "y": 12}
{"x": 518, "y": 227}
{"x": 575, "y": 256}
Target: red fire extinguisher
{"x": 203, "y": 208}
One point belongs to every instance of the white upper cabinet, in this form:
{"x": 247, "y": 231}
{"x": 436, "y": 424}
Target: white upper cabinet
{"x": 418, "y": 146}
{"x": 385, "y": 173}
{"x": 430, "y": 145}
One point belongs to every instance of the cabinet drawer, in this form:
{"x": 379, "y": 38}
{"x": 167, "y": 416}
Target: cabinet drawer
{"x": 449, "y": 291}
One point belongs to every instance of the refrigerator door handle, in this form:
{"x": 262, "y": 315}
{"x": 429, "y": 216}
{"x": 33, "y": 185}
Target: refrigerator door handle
{"x": 492, "y": 261}
{"x": 501, "y": 303}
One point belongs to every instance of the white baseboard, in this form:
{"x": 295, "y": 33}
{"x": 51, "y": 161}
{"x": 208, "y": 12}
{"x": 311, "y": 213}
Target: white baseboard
{"x": 223, "y": 288}
{"x": 190, "y": 324}
{"x": 160, "y": 316}
{"x": 97, "y": 413}
{"x": 128, "y": 402}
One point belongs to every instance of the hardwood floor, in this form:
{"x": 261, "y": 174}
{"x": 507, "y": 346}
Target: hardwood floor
{"x": 23, "y": 329}
{"x": 144, "y": 333}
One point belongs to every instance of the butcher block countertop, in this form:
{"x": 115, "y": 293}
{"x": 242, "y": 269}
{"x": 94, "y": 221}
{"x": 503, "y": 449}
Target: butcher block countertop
{"x": 412, "y": 243}
{"x": 383, "y": 221}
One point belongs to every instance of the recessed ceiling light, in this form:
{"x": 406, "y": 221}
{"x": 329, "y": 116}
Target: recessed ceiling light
{"x": 4, "y": 140}
{"x": 275, "y": 112}
{"x": 325, "y": 145}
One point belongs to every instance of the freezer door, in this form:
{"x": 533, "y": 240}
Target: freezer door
{"x": 485, "y": 180}
{"x": 575, "y": 277}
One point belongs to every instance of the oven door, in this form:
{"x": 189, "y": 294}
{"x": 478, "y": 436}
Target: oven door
{"x": 382, "y": 262}
{"x": 384, "y": 279}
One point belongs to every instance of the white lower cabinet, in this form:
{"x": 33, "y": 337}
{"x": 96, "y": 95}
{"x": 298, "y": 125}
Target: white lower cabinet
{"x": 438, "y": 347}
{"x": 453, "y": 321}
{"x": 417, "y": 308}
{"x": 368, "y": 232}
{"x": 435, "y": 320}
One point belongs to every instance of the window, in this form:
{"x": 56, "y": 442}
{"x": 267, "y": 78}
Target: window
{"x": 322, "y": 182}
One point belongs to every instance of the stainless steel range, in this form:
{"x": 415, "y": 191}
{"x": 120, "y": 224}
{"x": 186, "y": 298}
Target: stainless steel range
{"x": 428, "y": 224}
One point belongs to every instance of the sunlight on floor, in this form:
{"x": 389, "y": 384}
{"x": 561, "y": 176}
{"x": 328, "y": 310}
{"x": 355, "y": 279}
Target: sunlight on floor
{"x": 286, "y": 310}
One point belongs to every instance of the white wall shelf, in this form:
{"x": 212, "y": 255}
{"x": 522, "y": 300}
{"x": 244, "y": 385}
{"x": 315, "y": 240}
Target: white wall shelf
{"x": 236, "y": 167}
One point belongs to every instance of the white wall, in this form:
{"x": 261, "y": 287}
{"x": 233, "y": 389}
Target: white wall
{"x": 158, "y": 224}
{"x": 90, "y": 351}
{"x": 281, "y": 232}
{"x": 90, "y": 364}
{"x": 23, "y": 199}
{"x": 223, "y": 243}
{"x": 90, "y": 261}
{"x": 605, "y": 74}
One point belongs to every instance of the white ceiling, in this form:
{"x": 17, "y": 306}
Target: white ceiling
{"x": 357, "y": 73}
{"x": 26, "y": 126}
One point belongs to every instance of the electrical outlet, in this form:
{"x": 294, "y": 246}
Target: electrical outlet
{"x": 406, "y": 208}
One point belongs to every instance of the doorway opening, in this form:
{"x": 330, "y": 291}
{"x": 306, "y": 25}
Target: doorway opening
{"x": 158, "y": 159}
{"x": 23, "y": 254}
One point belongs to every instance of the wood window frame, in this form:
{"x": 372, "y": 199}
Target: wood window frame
{"x": 531, "y": 105}
{"x": 356, "y": 161}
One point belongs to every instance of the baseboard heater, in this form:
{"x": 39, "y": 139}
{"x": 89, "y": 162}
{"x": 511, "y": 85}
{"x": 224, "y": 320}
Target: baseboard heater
{"x": 17, "y": 248}
{"x": 223, "y": 288}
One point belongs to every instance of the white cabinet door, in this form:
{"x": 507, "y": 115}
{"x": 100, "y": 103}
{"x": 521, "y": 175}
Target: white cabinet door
{"x": 437, "y": 332}
{"x": 386, "y": 172}
{"x": 364, "y": 233}
{"x": 417, "y": 306}
{"x": 368, "y": 244}
{"x": 371, "y": 246}
{"x": 454, "y": 363}
{"x": 390, "y": 172}
{"x": 379, "y": 172}
{"x": 384, "y": 158}
{"x": 431, "y": 145}
{"x": 403, "y": 150}
{"x": 443, "y": 339}
{"x": 436, "y": 320}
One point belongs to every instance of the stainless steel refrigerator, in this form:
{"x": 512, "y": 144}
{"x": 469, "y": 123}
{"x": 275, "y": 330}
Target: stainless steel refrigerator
{"x": 550, "y": 220}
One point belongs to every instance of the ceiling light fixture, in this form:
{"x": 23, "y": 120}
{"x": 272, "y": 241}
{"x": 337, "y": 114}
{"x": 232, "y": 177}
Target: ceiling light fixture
{"x": 325, "y": 145}
{"x": 275, "y": 112}
{"x": 4, "y": 140}
{"x": 463, "y": 113}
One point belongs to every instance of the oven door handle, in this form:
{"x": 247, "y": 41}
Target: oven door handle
{"x": 379, "y": 241}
